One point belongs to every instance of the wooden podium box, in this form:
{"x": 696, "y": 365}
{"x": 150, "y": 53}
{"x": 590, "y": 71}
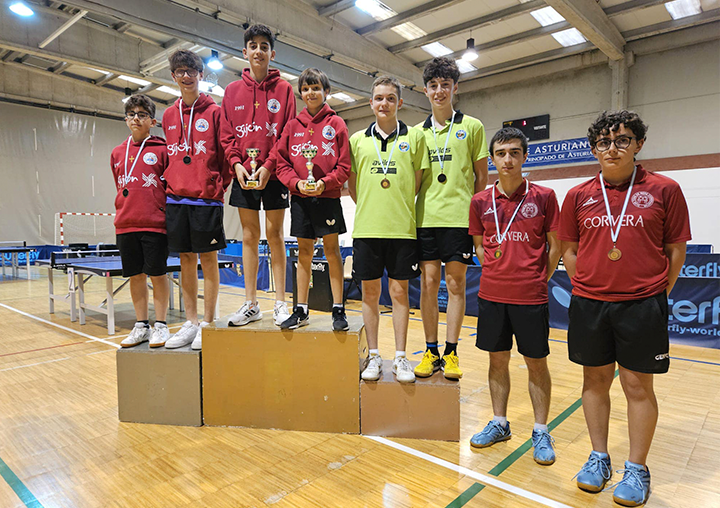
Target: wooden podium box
{"x": 263, "y": 377}
{"x": 426, "y": 409}
{"x": 159, "y": 386}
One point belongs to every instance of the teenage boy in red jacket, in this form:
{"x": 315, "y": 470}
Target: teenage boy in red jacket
{"x": 197, "y": 177}
{"x": 255, "y": 110}
{"x": 138, "y": 165}
{"x": 316, "y": 209}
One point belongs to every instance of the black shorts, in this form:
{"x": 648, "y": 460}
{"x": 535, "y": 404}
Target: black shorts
{"x": 498, "y": 322}
{"x": 373, "y": 255}
{"x": 274, "y": 196}
{"x": 445, "y": 244}
{"x": 143, "y": 252}
{"x": 633, "y": 333}
{"x": 316, "y": 217}
{"x": 195, "y": 228}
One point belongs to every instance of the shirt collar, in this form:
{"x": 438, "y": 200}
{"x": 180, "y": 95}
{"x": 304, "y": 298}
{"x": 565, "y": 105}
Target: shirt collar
{"x": 429, "y": 120}
{"x": 639, "y": 177}
{"x": 371, "y": 131}
{"x": 518, "y": 194}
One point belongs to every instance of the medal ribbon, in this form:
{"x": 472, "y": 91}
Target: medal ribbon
{"x": 441, "y": 159}
{"x": 187, "y": 136}
{"x": 614, "y": 234}
{"x": 384, "y": 167}
{"x": 501, "y": 237}
{"x": 132, "y": 168}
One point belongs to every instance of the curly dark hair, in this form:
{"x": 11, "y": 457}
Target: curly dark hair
{"x": 185, "y": 58}
{"x": 140, "y": 101}
{"x": 312, "y": 76}
{"x": 610, "y": 121}
{"x": 508, "y": 134}
{"x": 261, "y": 31}
{"x": 441, "y": 67}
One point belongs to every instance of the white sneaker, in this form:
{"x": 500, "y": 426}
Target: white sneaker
{"x": 197, "y": 342}
{"x": 247, "y": 313}
{"x": 280, "y": 313}
{"x": 183, "y": 337}
{"x": 160, "y": 335}
{"x": 403, "y": 370}
{"x": 373, "y": 369}
{"x": 139, "y": 334}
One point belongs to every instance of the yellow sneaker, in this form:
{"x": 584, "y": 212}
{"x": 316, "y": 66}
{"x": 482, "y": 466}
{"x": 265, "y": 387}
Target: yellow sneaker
{"x": 451, "y": 366}
{"x": 428, "y": 366}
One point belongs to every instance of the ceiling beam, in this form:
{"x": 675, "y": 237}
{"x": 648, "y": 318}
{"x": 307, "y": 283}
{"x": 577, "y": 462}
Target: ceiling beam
{"x": 407, "y": 16}
{"x": 161, "y": 61}
{"x": 180, "y": 22}
{"x": 107, "y": 78}
{"x": 488, "y": 19}
{"x": 632, "y": 6}
{"x": 589, "y": 18}
{"x": 672, "y": 25}
{"x": 59, "y": 67}
{"x": 57, "y": 33}
{"x": 336, "y": 7}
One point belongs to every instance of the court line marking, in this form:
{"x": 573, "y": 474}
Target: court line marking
{"x": 18, "y": 486}
{"x": 487, "y": 480}
{"x": 82, "y": 334}
{"x": 41, "y": 349}
{"x": 465, "y": 497}
{"x": 34, "y": 364}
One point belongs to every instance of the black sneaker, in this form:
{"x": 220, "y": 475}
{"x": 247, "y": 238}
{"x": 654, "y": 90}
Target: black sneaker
{"x": 340, "y": 323}
{"x": 297, "y": 319}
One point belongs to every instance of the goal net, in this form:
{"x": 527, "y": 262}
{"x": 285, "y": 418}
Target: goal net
{"x": 80, "y": 227}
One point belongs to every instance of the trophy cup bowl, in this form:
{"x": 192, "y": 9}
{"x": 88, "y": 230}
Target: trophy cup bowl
{"x": 253, "y": 153}
{"x": 309, "y": 154}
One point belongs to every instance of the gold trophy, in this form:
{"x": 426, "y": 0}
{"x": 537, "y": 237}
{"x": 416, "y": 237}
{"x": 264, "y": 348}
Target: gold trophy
{"x": 309, "y": 153}
{"x": 253, "y": 153}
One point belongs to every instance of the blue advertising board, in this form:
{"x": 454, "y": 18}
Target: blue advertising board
{"x": 550, "y": 153}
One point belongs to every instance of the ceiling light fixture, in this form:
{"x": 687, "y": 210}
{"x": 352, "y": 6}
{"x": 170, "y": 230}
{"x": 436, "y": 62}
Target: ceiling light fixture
{"x": 470, "y": 53}
{"x": 21, "y": 9}
{"x": 214, "y": 62}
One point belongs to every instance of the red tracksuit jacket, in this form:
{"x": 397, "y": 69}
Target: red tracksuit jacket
{"x": 327, "y": 133}
{"x": 254, "y": 116}
{"x": 208, "y": 174}
{"x": 143, "y": 208}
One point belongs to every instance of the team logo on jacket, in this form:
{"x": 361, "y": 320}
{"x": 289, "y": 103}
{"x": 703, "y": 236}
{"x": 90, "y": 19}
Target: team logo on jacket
{"x": 150, "y": 158}
{"x": 202, "y": 125}
{"x": 328, "y": 132}
{"x": 328, "y": 148}
{"x": 642, "y": 199}
{"x": 149, "y": 180}
{"x": 529, "y": 210}
{"x": 461, "y": 134}
{"x": 404, "y": 146}
{"x": 273, "y": 105}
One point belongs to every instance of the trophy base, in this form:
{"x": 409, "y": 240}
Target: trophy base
{"x": 252, "y": 184}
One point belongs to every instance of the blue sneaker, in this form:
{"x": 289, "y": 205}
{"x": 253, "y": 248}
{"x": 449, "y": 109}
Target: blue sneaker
{"x": 543, "y": 444}
{"x": 634, "y": 488}
{"x": 595, "y": 473}
{"x": 491, "y": 434}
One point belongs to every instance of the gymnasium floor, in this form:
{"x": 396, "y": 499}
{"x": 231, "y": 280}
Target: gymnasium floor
{"x": 61, "y": 444}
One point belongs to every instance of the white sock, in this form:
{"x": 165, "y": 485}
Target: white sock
{"x": 374, "y": 352}
{"x": 303, "y": 306}
{"x": 502, "y": 420}
{"x": 279, "y": 301}
{"x": 399, "y": 354}
{"x": 540, "y": 426}
{"x": 602, "y": 455}
{"x": 203, "y": 324}
{"x": 337, "y": 305}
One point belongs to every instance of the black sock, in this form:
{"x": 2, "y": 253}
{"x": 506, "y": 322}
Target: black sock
{"x": 161, "y": 322}
{"x": 146, "y": 322}
{"x": 450, "y": 348}
{"x": 433, "y": 348}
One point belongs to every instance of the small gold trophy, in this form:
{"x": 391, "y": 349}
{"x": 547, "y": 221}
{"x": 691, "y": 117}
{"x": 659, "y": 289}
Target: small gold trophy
{"x": 309, "y": 153}
{"x": 253, "y": 153}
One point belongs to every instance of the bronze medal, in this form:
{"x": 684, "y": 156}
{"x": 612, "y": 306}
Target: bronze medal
{"x": 442, "y": 178}
{"x": 614, "y": 254}
{"x": 498, "y": 253}
{"x": 187, "y": 159}
{"x": 385, "y": 183}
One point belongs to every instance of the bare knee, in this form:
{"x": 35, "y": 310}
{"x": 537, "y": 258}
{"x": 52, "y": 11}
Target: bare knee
{"x": 251, "y": 236}
{"x": 398, "y": 292}
{"x": 499, "y": 360}
{"x": 598, "y": 378}
{"x": 429, "y": 282}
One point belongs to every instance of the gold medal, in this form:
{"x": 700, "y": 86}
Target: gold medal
{"x": 385, "y": 183}
{"x": 614, "y": 254}
{"x": 498, "y": 253}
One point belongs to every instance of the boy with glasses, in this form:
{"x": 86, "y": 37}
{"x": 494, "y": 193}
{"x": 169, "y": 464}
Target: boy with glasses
{"x": 623, "y": 236}
{"x": 197, "y": 177}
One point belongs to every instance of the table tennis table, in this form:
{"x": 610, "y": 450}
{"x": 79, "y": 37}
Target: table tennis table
{"x": 82, "y": 266}
{"x": 15, "y": 249}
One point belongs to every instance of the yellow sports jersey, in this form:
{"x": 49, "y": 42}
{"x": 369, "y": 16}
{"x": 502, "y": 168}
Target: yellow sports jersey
{"x": 447, "y": 204}
{"x": 387, "y": 209}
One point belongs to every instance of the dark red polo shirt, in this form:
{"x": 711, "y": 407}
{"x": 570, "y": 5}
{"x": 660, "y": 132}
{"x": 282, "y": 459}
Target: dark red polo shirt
{"x": 656, "y": 215}
{"x": 519, "y": 276}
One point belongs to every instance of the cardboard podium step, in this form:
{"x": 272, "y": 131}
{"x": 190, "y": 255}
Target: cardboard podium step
{"x": 159, "y": 385}
{"x": 261, "y": 376}
{"x": 429, "y": 408}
